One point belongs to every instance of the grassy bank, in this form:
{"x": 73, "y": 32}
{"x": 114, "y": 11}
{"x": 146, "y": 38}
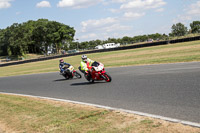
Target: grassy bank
{"x": 29, "y": 115}
{"x": 180, "y": 52}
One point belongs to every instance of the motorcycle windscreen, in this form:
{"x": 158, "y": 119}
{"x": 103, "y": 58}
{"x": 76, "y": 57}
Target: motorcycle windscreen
{"x": 95, "y": 64}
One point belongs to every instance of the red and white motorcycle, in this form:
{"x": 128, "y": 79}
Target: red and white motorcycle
{"x": 97, "y": 72}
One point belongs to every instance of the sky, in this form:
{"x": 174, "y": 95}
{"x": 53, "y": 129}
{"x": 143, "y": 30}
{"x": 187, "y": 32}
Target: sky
{"x": 103, "y": 19}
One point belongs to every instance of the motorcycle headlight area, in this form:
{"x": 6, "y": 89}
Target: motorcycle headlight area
{"x": 99, "y": 68}
{"x": 71, "y": 68}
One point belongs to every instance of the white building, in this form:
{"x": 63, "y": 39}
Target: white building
{"x": 99, "y": 47}
{"x": 108, "y": 45}
{"x": 111, "y": 45}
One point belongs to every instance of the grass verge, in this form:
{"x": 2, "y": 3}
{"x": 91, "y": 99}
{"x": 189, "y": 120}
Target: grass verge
{"x": 180, "y": 52}
{"x": 29, "y": 115}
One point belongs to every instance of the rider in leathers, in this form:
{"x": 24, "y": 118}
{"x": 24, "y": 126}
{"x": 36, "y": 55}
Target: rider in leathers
{"x": 62, "y": 65}
{"x": 83, "y": 65}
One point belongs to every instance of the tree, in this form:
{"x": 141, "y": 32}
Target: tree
{"x": 3, "y": 47}
{"x": 33, "y": 47}
{"x": 84, "y": 45}
{"x": 73, "y": 45}
{"x": 195, "y": 27}
{"x": 178, "y": 30}
{"x": 155, "y": 36}
{"x": 52, "y": 34}
{"x": 35, "y": 37}
{"x": 66, "y": 34}
{"x": 12, "y": 40}
{"x": 17, "y": 40}
{"x": 4, "y": 41}
{"x": 126, "y": 40}
{"x": 112, "y": 40}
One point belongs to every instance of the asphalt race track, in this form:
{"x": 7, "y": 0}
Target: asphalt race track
{"x": 169, "y": 90}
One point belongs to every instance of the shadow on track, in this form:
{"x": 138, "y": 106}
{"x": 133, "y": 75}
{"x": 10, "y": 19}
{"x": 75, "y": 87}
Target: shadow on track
{"x": 85, "y": 83}
{"x": 62, "y": 80}
{"x": 59, "y": 80}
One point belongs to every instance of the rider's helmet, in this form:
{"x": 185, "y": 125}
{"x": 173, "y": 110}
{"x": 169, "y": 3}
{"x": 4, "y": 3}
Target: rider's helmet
{"x": 61, "y": 61}
{"x": 84, "y": 58}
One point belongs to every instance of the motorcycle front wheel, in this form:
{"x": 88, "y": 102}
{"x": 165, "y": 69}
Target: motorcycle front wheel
{"x": 107, "y": 77}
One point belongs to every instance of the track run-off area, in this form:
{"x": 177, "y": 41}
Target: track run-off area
{"x": 166, "y": 91}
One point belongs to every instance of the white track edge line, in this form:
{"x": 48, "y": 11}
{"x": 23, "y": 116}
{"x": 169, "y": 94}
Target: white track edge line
{"x": 115, "y": 109}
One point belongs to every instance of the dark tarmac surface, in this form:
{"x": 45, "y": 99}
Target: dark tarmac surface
{"x": 169, "y": 90}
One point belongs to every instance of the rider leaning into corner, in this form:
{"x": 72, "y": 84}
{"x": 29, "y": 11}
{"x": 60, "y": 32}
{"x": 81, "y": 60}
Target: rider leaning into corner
{"x": 62, "y": 65}
{"x": 83, "y": 65}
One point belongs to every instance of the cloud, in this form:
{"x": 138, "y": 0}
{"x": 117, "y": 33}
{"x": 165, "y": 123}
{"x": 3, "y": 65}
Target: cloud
{"x": 194, "y": 9}
{"x": 97, "y": 24}
{"x": 114, "y": 10}
{"x": 5, "y": 3}
{"x": 191, "y": 12}
{"x": 137, "y": 8}
{"x": 133, "y": 15}
{"x": 160, "y": 10}
{"x": 88, "y": 36}
{"x": 18, "y": 13}
{"x": 128, "y": 10}
{"x": 142, "y": 4}
{"x": 43, "y": 4}
{"x": 182, "y": 19}
{"x": 108, "y": 2}
{"x": 102, "y": 28}
{"x": 77, "y": 3}
{"x": 116, "y": 27}
{"x": 118, "y": 1}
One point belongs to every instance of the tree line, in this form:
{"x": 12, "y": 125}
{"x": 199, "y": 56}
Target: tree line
{"x": 41, "y": 35}
{"x": 35, "y": 37}
{"x": 177, "y": 30}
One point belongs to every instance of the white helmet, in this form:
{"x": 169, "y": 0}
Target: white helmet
{"x": 84, "y": 57}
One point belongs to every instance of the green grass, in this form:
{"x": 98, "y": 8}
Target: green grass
{"x": 180, "y": 52}
{"x": 30, "y": 115}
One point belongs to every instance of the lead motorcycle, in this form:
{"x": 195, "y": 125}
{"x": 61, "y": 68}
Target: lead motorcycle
{"x": 97, "y": 72}
{"x": 70, "y": 72}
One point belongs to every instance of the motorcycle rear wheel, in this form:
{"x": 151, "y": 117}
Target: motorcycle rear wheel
{"x": 66, "y": 76}
{"x": 78, "y": 75}
{"x": 89, "y": 78}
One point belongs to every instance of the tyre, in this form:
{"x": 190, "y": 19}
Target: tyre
{"x": 107, "y": 77}
{"x": 66, "y": 76}
{"x": 78, "y": 75}
{"x": 88, "y": 78}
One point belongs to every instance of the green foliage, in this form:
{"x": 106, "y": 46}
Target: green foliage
{"x": 34, "y": 37}
{"x": 195, "y": 27}
{"x": 123, "y": 41}
{"x": 178, "y": 30}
